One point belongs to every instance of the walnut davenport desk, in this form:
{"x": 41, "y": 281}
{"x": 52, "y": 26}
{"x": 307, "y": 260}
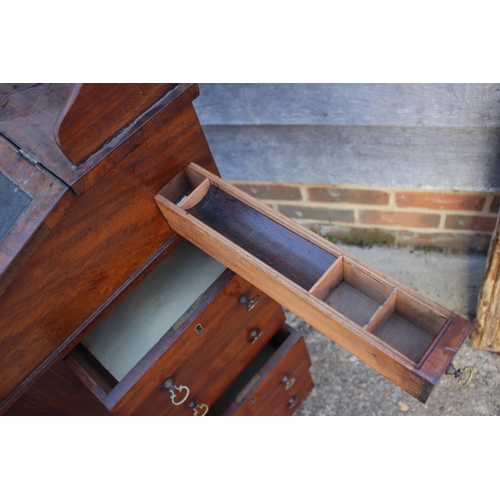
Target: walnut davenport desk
{"x": 135, "y": 281}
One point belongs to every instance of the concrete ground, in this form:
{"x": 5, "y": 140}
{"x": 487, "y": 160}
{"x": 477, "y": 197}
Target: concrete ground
{"x": 346, "y": 386}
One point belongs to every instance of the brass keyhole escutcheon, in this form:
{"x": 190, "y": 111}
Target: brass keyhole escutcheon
{"x": 199, "y": 329}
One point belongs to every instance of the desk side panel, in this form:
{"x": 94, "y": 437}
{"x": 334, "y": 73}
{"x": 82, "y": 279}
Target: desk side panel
{"x": 105, "y": 237}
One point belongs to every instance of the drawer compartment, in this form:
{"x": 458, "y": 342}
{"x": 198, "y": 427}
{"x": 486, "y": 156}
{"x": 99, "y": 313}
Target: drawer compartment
{"x": 406, "y": 337}
{"x": 143, "y": 360}
{"x": 276, "y": 382}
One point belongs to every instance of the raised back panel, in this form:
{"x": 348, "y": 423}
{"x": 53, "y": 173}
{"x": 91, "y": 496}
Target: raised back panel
{"x": 96, "y": 112}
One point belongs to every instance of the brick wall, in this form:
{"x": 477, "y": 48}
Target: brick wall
{"x": 428, "y": 219}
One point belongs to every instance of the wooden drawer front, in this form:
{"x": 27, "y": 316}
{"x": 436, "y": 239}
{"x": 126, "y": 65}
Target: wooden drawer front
{"x": 406, "y": 337}
{"x": 201, "y": 357}
{"x": 276, "y": 388}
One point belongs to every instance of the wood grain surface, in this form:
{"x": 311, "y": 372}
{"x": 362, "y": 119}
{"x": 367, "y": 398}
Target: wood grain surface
{"x": 49, "y": 199}
{"x": 96, "y": 112}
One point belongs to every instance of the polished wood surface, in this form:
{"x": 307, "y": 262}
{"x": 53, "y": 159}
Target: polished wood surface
{"x": 89, "y": 159}
{"x": 415, "y": 376}
{"x": 58, "y": 392}
{"x": 111, "y": 231}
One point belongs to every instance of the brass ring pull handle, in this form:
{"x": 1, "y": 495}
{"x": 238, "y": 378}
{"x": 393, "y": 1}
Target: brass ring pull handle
{"x": 254, "y": 335}
{"x": 292, "y": 402}
{"x": 169, "y": 384}
{"x": 463, "y": 375}
{"x": 288, "y": 382}
{"x": 249, "y": 303}
{"x": 198, "y": 408}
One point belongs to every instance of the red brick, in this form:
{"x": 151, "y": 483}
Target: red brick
{"x": 317, "y": 213}
{"x": 271, "y": 191}
{"x": 440, "y": 201}
{"x": 346, "y": 195}
{"x": 471, "y": 223}
{"x": 461, "y": 242}
{"x": 494, "y": 206}
{"x": 408, "y": 219}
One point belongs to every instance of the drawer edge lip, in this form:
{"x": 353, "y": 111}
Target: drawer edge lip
{"x": 434, "y": 365}
{"x": 169, "y": 337}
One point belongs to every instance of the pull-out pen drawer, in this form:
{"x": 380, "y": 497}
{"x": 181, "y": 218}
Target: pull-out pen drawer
{"x": 406, "y": 337}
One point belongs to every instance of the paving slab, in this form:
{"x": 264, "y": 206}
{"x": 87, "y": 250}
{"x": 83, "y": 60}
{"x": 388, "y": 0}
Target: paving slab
{"x": 346, "y": 386}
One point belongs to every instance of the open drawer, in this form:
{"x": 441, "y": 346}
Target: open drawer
{"x": 275, "y": 383}
{"x": 178, "y": 340}
{"x": 404, "y": 336}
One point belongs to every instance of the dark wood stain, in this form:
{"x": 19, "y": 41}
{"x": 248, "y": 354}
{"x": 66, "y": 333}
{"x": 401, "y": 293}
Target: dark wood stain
{"x": 295, "y": 258}
{"x": 58, "y": 392}
{"x": 109, "y": 233}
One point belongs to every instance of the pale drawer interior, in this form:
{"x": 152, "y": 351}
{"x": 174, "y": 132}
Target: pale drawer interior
{"x": 159, "y": 303}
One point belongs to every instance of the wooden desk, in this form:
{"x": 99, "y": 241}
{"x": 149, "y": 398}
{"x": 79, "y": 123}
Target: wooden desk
{"x": 79, "y": 168}
{"x": 105, "y": 309}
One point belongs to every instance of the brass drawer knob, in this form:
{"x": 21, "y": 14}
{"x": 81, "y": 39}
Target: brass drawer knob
{"x": 292, "y": 402}
{"x": 176, "y": 391}
{"x": 255, "y": 335}
{"x": 288, "y": 382}
{"x": 249, "y": 303}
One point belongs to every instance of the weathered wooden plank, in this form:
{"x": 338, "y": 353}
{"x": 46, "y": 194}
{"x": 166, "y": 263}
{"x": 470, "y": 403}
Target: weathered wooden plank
{"x": 434, "y": 158}
{"x": 486, "y": 334}
{"x": 399, "y": 105}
